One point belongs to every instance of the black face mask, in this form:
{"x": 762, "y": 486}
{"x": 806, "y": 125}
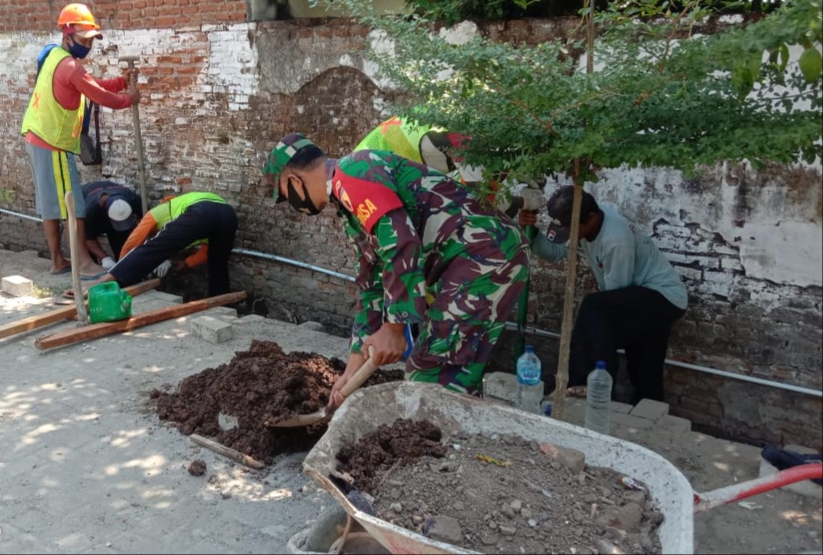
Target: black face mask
{"x": 304, "y": 204}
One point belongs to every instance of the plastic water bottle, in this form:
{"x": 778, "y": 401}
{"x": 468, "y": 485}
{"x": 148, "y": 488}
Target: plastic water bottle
{"x": 529, "y": 385}
{"x": 598, "y": 399}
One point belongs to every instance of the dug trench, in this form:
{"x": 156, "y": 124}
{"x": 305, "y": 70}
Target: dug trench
{"x": 497, "y": 493}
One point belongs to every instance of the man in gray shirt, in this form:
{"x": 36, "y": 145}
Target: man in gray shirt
{"x": 641, "y": 294}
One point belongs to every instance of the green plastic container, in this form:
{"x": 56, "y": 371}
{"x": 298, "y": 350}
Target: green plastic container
{"x": 108, "y": 303}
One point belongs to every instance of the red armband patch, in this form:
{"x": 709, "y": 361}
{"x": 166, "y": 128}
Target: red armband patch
{"x": 367, "y": 200}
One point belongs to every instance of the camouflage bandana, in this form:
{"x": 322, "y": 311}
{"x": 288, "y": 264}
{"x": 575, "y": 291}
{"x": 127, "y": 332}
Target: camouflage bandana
{"x": 280, "y": 157}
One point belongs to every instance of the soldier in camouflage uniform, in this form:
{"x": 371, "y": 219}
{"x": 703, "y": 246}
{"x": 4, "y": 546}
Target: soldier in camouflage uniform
{"x": 428, "y": 253}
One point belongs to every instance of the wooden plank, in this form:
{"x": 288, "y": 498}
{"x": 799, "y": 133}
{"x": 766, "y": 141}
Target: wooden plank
{"x": 103, "y": 329}
{"x": 233, "y": 454}
{"x": 60, "y": 314}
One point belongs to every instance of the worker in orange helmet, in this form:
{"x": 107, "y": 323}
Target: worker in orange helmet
{"x": 52, "y": 125}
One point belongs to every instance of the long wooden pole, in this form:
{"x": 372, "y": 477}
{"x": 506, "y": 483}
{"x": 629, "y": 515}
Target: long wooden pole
{"x": 74, "y": 249}
{"x": 103, "y": 329}
{"x": 562, "y": 377}
{"x": 65, "y": 313}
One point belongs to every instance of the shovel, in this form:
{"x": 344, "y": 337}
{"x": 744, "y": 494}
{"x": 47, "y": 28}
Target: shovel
{"x": 323, "y": 415}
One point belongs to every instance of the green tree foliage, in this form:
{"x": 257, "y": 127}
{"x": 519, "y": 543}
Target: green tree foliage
{"x": 454, "y": 11}
{"x": 662, "y": 95}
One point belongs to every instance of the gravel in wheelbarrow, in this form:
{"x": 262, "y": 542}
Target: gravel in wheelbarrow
{"x": 499, "y": 493}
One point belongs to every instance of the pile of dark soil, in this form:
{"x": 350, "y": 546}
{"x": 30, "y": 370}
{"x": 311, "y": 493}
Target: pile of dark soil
{"x": 256, "y": 387}
{"x": 499, "y": 494}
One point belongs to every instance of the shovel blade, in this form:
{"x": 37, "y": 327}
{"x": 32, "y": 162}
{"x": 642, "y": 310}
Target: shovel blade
{"x": 317, "y": 417}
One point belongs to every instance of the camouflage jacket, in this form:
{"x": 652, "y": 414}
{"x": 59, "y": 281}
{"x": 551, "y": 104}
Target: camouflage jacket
{"x": 409, "y": 224}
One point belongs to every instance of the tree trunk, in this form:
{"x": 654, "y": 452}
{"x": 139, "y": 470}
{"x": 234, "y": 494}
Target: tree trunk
{"x": 562, "y": 377}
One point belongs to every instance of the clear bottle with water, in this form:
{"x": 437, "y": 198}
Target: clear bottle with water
{"x": 529, "y": 383}
{"x": 598, "y": 399}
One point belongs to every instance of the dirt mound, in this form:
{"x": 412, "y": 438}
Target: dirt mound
{"x": 259, "y": 385}
{"x": 499, "y": 494}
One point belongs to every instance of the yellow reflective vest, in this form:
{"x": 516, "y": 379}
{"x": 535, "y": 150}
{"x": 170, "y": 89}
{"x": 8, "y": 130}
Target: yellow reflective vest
{"x": 45, "y": 117}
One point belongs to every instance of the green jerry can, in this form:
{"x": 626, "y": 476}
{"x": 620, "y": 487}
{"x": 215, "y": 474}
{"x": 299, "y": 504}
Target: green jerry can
{"x": 108, "y": 303}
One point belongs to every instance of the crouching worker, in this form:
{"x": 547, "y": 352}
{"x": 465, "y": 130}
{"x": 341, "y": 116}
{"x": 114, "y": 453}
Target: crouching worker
{"x": 428, "y": 253}
{"x": 202, "y": 220}
{"x": 641, "y": 294}
{"x": 111, "y": 210}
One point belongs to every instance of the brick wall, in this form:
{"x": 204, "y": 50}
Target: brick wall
{"x": 220, "y": 91}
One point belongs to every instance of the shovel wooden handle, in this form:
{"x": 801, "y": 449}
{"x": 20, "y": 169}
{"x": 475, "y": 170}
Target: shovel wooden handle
{"x": 360, "y": 377}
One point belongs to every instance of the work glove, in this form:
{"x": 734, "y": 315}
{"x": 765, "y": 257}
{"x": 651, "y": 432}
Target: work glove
{"x": 533, "y": 199}
{"x": 163, "y": 269}
{"x": 107, "y": 263}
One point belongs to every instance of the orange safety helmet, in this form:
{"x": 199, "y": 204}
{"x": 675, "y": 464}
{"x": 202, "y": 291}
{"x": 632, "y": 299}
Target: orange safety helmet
{"x": 77, "y": 14}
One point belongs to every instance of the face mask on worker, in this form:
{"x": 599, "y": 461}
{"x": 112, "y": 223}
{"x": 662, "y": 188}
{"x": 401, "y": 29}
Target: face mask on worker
{"x": 77, "y": 50}
{"x": 304, "y": 204}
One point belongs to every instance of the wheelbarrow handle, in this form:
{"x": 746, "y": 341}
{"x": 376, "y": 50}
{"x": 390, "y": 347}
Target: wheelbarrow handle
{"x": 750, "y": 488}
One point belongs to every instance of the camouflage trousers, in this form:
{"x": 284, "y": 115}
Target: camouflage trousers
{"x": 465, "y": 319}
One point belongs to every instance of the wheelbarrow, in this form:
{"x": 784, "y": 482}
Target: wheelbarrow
{"x": 367, "y": 409}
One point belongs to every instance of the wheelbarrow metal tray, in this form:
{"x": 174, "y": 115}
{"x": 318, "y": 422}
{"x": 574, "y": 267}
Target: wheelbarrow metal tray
{"x": 368, "y": 408}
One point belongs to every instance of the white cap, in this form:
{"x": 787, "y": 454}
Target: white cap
{"x": 119, "y": 214}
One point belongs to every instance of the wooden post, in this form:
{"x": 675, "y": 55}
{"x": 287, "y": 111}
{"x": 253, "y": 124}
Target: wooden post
{"x": 74, "y": 248}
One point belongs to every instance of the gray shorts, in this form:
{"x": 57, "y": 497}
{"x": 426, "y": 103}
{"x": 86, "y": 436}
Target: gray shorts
{"x": 55, "y": 173}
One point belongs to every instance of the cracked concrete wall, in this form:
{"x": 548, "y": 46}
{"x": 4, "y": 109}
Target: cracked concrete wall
{"x": 220, "y": 91}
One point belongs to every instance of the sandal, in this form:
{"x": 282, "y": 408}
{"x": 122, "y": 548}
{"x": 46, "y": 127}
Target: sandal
{"x": 576, "y": 391}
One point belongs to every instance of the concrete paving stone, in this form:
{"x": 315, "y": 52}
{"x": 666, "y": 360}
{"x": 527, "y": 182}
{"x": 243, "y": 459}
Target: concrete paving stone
{"x": 251, "y": 319}
{"x": 650, "y": 410}
{"x": 676, "y": 422}
{"x": 17, "y": 286}
{"x": 160, "y": 296}
{"x": 315, "y": 326}
{"x": 211, "y": 329}
{"x": 624, "y": 408}
{"x": 630, "y": 421}
{"x": 74, "y": 542}
{"x": 500, "y": 386}
{"x": 221, "y": 311}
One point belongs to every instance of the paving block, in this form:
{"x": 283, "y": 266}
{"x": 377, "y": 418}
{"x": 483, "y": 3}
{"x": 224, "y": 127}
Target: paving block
{"x": 677, "y": 423}
{"x": 162, "y": 296}
{"x": 313, "y": 326}
{"x": 650, "y": 410}
{"x": 251, "y": 318}
{"x": 631, "y": 421}
{"x": 211, "y": 329}
{"x": 222, "y": 310}
{"x": 18, "y": 286}
{"x": 806, "y": 487}
{"x": 500, "y": 386}
{"x": 625, "y": 408}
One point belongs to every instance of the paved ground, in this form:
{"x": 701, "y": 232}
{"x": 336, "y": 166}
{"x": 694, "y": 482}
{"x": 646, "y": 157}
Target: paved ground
{"x": 87, "y": 467}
